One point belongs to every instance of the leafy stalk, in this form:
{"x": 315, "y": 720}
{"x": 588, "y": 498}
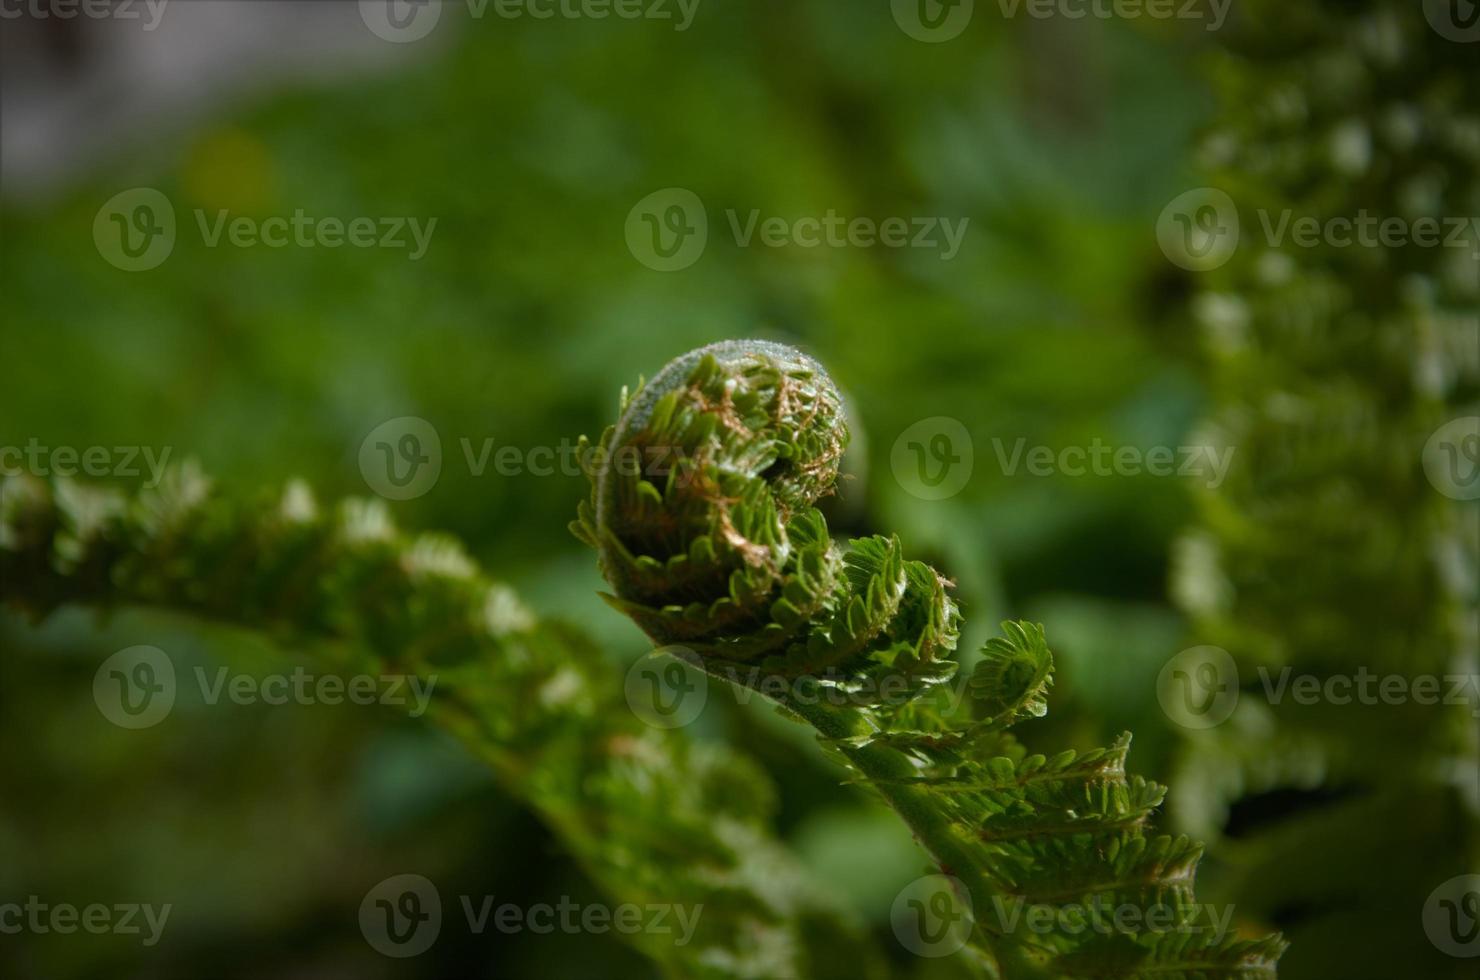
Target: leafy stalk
{"x": 1344, "y": 541}
{"x": 702, "y": 517}
{"x": 652, "y": 816}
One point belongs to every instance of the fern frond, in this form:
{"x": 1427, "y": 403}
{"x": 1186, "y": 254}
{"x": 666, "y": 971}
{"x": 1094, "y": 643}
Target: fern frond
{"x": 736, "y": 565}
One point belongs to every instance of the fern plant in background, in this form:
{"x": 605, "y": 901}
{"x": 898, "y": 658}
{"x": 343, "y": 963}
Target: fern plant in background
{"x": 1331, "y": 549}
{"x": 1340, "y": 544}
{"x": 702, "y": 515}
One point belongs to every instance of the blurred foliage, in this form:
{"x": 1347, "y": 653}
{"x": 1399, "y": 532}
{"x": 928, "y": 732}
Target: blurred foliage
{"x": 651, "y": 816}
{"x": 1329, "y": 551}
{"x": 529, "y": 142}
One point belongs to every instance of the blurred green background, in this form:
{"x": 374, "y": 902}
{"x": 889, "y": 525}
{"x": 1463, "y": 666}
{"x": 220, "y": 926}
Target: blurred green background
{"x": 529, "y": 142}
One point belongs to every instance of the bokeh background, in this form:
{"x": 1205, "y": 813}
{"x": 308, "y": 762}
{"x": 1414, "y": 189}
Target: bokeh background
{"x": 1059, "y": 322}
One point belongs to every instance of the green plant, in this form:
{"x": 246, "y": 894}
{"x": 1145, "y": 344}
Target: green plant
{"x": 651, "y": 816}
{"x": 1328, "y": 551}
{"x": 702, "y": 515}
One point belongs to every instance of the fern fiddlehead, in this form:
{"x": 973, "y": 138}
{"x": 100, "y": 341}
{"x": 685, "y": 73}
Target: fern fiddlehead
{"x": 703, "y": 519}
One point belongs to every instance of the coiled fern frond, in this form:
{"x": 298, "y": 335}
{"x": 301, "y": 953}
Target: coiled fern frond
{"x": 703, "y": 519}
